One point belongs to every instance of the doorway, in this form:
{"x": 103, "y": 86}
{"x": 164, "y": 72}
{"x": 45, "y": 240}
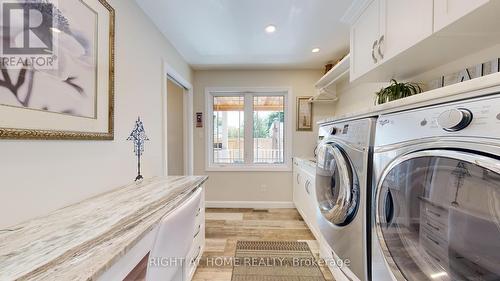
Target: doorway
{"x": 176, "y": 143}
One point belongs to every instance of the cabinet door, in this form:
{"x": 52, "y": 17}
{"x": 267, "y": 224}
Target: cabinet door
{"x": 295, "y": 183}
{"x": 448, "y": 11}
{"x": 311, "y": 204}
{"x": 364, "y": 36}
{"x": 298, "y": 188}
{"x": 307, "y": 186}
{"x": 403, "y": 23}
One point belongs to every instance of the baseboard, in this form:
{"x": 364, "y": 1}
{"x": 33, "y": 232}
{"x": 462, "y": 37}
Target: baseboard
{"x": 250, "y": 204}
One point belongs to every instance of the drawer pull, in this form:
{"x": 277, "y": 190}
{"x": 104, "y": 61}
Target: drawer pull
{"x": 432, "y": 226}
{"x": 193, "y": 261}
{"x": 198, "y": 212}
{"x": 308, "y": 183}
{"x": 433, "y": 240}
{"x": 432, "y": 256}
{"x": 197, "y": 232}
{"x": 434, "y": 213}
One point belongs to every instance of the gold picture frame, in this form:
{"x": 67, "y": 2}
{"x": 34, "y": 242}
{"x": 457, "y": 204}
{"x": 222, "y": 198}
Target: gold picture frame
{"x": 304, "y": 114}
{"x": 102, "y": 127}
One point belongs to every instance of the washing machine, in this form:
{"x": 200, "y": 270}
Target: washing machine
{"x": 342, "y": 186}
{"x": 436, "y": 203}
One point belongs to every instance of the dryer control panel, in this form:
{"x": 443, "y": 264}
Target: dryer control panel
{"x": 470, "y": 118}
{"x": 357, "y": 132}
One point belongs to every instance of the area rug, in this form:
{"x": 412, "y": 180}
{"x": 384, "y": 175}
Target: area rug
{"x": 275, "y": 261}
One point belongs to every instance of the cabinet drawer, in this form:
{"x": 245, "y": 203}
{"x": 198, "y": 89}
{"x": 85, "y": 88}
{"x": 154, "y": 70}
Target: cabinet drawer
{"x": 195, "y": 253}
{"x": 436, "y": 247}
{"x": 200, "y": 215}
{"x": 197, "y": 243}
{"x": 192, "y": 263}
{"x": 437, "y": 214}
{"x": 435, "y": 227}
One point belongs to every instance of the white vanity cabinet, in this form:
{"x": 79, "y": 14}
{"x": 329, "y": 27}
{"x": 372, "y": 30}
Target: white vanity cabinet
{"x": 386, "y": 28}
{"x": 304, "y": 197}
{"x": 448, "y": 11}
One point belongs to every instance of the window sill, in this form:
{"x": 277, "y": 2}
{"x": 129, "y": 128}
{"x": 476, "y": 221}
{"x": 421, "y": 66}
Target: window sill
{"x": 249, "y": 168}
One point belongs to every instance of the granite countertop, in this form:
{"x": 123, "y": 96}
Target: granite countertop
{"x": 488, "y": 84}
{"x": 81, "y": 241}
{"x": 310, "y": 162}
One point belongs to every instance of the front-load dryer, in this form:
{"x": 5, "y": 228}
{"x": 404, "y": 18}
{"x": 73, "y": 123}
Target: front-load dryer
{"x": 342, "y": 181}
{"x": 437, "y": 193}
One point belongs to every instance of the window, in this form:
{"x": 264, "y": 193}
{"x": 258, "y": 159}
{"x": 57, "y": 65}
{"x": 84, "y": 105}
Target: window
{"x": 248, "y": 130}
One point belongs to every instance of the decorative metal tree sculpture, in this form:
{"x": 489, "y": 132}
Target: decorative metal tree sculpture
{"x": 460, "y": 172}
{"x": 138, "y": 136}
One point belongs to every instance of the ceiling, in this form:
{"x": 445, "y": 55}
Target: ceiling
{"x": 229, "y": 34}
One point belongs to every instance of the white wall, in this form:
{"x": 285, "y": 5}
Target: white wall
{"x": 355, "y": 97}
{"x": 256, "y": 186}
{"x": 40, "y": 176}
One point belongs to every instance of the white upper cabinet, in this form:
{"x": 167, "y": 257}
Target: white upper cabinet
{"x": 398, "y": 39}
{"x": 364, "y": 37}
{"x": 404, "y": 23}
{"x": 386, "y": 28}
{"x": 448, "y": 11}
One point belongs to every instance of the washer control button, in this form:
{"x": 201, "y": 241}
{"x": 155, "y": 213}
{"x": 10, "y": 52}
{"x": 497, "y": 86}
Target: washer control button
{"x": 455, "y": 119}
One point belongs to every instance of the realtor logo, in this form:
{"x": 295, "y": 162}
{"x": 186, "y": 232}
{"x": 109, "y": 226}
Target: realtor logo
{"x": 28, "y": 34}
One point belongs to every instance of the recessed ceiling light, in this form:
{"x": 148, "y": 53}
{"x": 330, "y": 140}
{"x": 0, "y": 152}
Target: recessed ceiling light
{"x": 270, "y": 28}
{"x": 315, "y": 50}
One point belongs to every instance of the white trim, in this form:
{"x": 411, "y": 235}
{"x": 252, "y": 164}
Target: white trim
{"x": 248, "y": 168}
{"x": 188, "y": 119}
{"x": 221, "y": 91}
{"x": 251, "y": 204}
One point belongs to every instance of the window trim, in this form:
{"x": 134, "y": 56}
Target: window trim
{"x": 210, "y": 166}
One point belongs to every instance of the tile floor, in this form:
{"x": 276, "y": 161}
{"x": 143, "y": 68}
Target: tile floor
{"x": 225, "y": 226}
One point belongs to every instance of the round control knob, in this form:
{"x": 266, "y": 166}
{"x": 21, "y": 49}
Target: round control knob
{"x": 455, "y": 119}
{"x": 333, "y": 131}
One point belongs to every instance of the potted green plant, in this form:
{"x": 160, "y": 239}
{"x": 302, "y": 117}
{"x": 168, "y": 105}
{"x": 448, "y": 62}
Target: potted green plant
{"x": 396, "y": 91}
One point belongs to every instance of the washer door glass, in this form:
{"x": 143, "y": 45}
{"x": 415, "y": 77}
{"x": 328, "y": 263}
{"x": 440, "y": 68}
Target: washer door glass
{"x": 337, "y": 189}
{"x": 438, "y": 216}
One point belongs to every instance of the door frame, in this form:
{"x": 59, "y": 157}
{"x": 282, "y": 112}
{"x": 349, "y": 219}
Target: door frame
{"x": 169, "y": 72}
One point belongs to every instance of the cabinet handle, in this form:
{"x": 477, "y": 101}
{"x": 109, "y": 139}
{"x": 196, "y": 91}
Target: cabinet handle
{"x": 432, "y": 226}
{"x": 373, "y": 52}
{"x": 307, "y": 187}
{"x": 380, "y": 42}
{"x": 432, "y": 256}
{"x": 193, "y": 261}
{"x": 298, "y": 175}
{"x": 434, "y": 213}
{"x": 433, "y": 240}
{"x": 198, "y": 212}
{"x": 197, "y": 232}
